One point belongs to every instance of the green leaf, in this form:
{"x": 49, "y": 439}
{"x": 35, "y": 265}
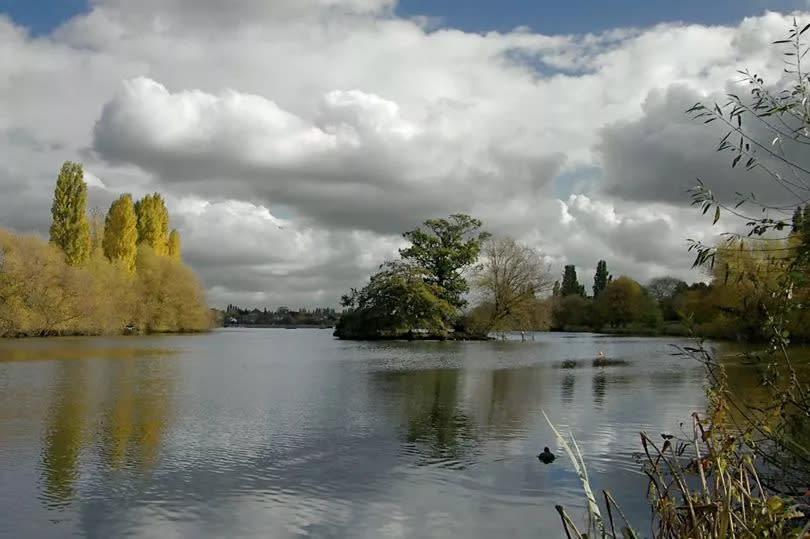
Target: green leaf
{"x": 774, "y": 504}
{"x": 716, "y": 215}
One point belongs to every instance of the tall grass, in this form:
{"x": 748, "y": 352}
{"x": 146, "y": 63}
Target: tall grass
{"x": 705, "y": 486}
{"x": 596, "y": 524}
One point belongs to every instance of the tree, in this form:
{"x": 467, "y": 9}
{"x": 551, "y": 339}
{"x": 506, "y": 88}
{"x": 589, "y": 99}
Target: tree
{"x": 171, "y": 298}
{"x": 396, "y": 302}
{"x": 174, "y": 244}
{"x": 121, "y": 233}
{"x": 624, "y": 302}
{"x": 445, "y": 249}
{"x": 69, "y": 228}
{"x": 600, "y": 278}
{"x": 663, "y": 288}
{"x": 153, "y": 223}
{"x": 40, "y": 293}
{"x": 511, "y": 278}
{"x": 745, "y": 292}
{"x": 570, "y": 286}
{"x": 572, "y": 312}
{"x": 96, "y": 224}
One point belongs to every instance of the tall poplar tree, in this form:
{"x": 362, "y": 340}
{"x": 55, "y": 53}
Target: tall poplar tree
{"x": 153, "y": 223}
{"x": 70, "y": 230}
{"x": 174, "y": 244}
{"x": 121, "y": 233}
{"x": 570, "y": 286}
{"x": 600, "y": 278}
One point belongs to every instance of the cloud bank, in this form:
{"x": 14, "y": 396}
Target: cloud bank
{"x": 295, "y": 141}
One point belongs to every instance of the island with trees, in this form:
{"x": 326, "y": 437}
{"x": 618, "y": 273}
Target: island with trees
{"x": 122, "y": 273}
{"x": 421, "y": 295}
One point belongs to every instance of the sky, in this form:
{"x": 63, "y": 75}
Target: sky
{"x": 296, "y": 140}
{"x": 545, "y": 16}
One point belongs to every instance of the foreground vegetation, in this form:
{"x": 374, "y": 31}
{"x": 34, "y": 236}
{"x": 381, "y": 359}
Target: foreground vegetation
{"x": 744, "y": 469}
{"x": 95, "y": 277}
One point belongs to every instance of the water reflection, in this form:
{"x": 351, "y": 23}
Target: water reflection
{"x": 63, "y": 435}
{"x": 136, "y": 413}
{"x": 130, "y": 407}
{"x": 513, "y": 395}
{"x": 428, "y": 402}
{"x": 752, "y": 386}
{"x": 567, "y": 388}
{"x": 448, "y": 413}
{"x": 271, "y": 433}
{"x": 76, "y": 348}
{"x": 598, "y": 386}
{"x": 120, "y": 417}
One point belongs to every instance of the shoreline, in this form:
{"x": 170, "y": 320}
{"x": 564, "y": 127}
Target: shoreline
{"x": 49, "y": 335}
{"x": 277, "y": 326}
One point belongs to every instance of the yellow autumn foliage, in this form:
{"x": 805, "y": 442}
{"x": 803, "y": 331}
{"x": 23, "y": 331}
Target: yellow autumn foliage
{"x": 41, "y": 294}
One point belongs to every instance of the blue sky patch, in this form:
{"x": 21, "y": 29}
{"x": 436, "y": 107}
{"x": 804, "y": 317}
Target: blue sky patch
{"x": 583, "y": 16}
{"x": 42, "y": 16}
{"x": 545, "y": 16}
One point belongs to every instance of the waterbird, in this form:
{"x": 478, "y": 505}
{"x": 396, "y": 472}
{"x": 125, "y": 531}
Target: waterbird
{"x": 546, "y": 457}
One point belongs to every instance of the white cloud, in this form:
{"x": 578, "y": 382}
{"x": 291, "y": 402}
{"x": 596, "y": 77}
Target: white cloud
{"x": 296, "y": 140}
{"x": 144, "y": 123}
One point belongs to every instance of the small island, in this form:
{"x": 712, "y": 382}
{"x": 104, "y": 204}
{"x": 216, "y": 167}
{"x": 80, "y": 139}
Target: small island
{"x": 421, "y": 295}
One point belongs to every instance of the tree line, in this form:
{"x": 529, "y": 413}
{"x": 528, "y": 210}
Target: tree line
{"x": 98, "y": 276}
{"x": 457, "y": 281}
{"x": 451, "y": 263}
{"x": 283, "y": 316}
{"x": 745, "y": 289}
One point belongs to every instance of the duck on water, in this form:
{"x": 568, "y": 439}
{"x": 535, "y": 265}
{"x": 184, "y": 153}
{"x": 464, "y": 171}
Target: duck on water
{"x": 546, "y": 457}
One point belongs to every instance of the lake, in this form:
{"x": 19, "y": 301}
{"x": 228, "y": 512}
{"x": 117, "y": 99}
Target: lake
{"x": 291, "y": 433}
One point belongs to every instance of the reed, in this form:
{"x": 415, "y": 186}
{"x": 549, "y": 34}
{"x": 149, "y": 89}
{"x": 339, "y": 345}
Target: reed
{"x": 704, "y": 486}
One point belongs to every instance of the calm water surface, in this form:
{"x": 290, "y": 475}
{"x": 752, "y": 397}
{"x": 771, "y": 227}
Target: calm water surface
{"x": 290, "y": 433}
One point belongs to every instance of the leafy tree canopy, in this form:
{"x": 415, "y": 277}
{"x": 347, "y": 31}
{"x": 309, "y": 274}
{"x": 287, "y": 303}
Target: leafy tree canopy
{"x": 570, "y": 286}
{"x": 70, "y": 230}
{"x": 445, "y": 249}
{"x": 396, "y": 302}
{"x": 153, "y": 223}
{"x": 600, "y": 278}
{"x": 121, "y": 233}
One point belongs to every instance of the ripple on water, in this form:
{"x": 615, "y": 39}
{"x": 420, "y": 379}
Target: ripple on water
{"x": 327, "y": 438}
